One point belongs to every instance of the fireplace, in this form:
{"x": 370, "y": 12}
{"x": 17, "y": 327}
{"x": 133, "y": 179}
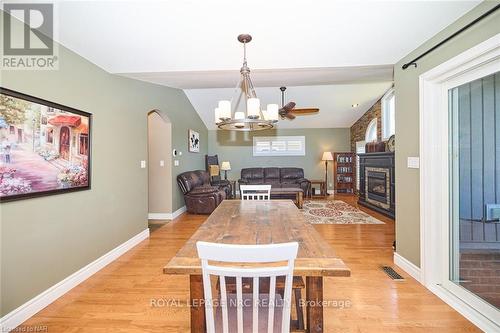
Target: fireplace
{"x": 378, "y": 186}
{"x": 376, "y": 182}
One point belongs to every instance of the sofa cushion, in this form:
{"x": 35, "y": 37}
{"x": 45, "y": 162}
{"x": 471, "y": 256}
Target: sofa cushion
{"x": 252, "y": 174}
{"x": 291, "y": 174}
{"x": 204, "y": 190}
{"x": 272, "y": 173}
{"x": 192, "y": 179}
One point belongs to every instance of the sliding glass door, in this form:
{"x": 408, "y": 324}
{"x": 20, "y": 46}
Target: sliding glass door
{"x": 474, "y": 226}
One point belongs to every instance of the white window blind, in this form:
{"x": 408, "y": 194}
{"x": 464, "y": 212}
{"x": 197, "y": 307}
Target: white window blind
{"x": 279, "y": 146}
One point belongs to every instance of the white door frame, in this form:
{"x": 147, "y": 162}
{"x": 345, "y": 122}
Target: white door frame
{"x": 472, "y": 64}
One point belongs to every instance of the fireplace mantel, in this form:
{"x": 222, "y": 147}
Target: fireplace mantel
{"x": 376, "y": 182}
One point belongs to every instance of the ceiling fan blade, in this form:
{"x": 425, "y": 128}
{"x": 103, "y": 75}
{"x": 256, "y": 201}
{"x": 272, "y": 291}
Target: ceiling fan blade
{"x": 288, "y": 106}
{"x": 305, "y": 110}
{"x": 290, "y": 116}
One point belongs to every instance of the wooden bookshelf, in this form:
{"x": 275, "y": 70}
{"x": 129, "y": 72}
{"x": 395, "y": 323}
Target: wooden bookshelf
{"x": 344, "y": 172}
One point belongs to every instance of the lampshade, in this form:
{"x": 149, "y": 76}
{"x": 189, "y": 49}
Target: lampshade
{"x": 225, "y": 166}
{"x": 225, "y": 109}
{"x": 327, "y": 156}
{"x": 272, "y": 111}
{"x": 265, "y": 115}
{"x": 239, "y": 115}
{"x": 253, "y": 107}
{"x": 217, "y": 115}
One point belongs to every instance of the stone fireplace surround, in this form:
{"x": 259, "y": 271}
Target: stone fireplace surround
{"x": 381, "y": 167}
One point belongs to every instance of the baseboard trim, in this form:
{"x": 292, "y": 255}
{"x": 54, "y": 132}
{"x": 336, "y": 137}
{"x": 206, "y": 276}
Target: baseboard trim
{"x": 407, "y": 266}
{"x": 464, "y": 309}
{"x": 166, "y": 216}
{"x": 17, "y": 316}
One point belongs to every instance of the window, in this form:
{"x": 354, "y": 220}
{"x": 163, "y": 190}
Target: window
{"x": 279, "y": 146}
{"x": 360, "y": 149}
{"x": 83, "y": 148}
{"x": 371, "y": 131}
{"x": 388, "y": 114}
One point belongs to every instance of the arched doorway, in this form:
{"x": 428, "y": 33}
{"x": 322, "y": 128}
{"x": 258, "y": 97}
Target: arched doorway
{"x": 159, "y": 168}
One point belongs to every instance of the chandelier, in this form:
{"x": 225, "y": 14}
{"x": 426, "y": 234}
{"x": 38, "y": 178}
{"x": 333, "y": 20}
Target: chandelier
{"x": 255, "y": 118}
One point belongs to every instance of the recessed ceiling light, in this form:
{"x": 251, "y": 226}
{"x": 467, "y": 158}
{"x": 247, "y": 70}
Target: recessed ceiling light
{"x": 355, "y": 105}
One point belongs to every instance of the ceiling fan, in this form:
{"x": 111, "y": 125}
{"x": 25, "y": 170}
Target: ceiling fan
{"x": 289, "y": 111}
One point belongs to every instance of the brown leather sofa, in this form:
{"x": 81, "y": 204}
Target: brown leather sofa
{"x": 276, "y": 177}
{"x": 199, "y": 195}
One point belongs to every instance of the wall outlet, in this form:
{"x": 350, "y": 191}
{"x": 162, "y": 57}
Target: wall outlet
{"x": 176, "y": 162}
{"x": 143, "y": 164}
{"x": 162, "y": 163}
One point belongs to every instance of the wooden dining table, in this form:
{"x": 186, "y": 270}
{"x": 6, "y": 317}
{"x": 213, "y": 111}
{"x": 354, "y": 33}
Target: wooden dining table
{"x": 261, "y": 222}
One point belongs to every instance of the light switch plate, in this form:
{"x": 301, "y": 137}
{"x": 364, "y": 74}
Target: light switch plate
{"x": 162, "y": 163}
{"x": 413, "y": 162}
{"x": 176, "y": 162}
{"x": 143, "y": 164}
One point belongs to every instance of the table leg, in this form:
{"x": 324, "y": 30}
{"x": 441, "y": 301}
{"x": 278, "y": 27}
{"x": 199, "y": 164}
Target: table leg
{"x": 198, "y": 323}
{"x": 314, "y": 298}
{"x": 300, "y": 199}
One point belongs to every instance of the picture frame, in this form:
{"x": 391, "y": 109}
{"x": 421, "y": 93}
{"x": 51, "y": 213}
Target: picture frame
{"x": 193, "y": 141}
{"x": 45, "y": 147}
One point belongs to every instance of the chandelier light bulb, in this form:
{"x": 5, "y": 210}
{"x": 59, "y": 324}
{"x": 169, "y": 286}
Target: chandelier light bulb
{"x": 253, "y": 107}
{"x": 273, "y": 111}
{"x": 217, "y": 115}
{"x": 225, "y": 109}
{"x": 265, "y": 114}
{"x": 239, "y": 115}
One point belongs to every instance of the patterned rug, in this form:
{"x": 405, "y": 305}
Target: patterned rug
{"x": 335, "y": 212}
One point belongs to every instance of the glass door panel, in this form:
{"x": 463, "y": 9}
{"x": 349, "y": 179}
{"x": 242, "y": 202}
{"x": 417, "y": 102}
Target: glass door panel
{"x": 475, "y": 187}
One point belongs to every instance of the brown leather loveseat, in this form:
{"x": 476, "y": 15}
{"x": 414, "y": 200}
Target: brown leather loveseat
{"x": 199, "y": 195}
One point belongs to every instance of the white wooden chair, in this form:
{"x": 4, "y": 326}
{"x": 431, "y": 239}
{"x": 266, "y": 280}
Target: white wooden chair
{"x": 233, "y": 315}
{"x": 255, "y": 192}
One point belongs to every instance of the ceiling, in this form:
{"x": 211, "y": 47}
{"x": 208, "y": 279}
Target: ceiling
{"x": 319, "y": 48}
{"x": 335, "y": 102}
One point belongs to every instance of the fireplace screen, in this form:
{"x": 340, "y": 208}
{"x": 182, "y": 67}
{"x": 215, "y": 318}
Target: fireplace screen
{"x": 377, "y": 186}
{"x": 377, "y": 183}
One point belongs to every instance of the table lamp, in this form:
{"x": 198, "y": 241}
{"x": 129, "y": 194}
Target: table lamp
{"x": 327, "y": 156}
{"x": 225, "y": 166}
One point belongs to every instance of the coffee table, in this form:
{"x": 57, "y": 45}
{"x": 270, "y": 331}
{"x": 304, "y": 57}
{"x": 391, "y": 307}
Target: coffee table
{"x": 299, "y": 194}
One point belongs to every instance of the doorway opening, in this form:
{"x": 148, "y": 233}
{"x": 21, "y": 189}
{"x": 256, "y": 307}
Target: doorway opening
{"x": 159, "y": 169}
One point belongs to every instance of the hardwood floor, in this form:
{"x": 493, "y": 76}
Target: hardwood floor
{"x": 133, "y": 295}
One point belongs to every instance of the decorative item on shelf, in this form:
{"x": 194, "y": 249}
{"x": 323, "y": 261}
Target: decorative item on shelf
{"x": 327, "y": 156}
{"x": 391, "y": 144}
{"x": 255, "y": 118}
{"x": 226, "y": 166}
{"x": 194, "y": 141}
{"x": 375, "y": 147}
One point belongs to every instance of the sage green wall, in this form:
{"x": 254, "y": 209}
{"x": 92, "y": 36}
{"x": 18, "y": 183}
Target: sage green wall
{"x": 44, "y": 240}
{"x": 236, "y": 147}
{"x": 407, "y": 119}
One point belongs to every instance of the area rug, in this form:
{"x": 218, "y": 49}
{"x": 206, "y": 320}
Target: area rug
{"x": 335, "y": 212}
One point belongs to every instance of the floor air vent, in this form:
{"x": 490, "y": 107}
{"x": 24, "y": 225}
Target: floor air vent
{"x": 392, "y": 273}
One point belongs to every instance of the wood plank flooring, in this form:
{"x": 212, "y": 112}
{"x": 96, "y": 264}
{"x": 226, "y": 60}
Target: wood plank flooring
{"x": 133, "y": 295}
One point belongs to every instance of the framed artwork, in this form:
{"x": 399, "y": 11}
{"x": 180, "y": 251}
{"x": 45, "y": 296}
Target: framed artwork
{"x": 194, "y": 141}
{"x": 44, "y": 147}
